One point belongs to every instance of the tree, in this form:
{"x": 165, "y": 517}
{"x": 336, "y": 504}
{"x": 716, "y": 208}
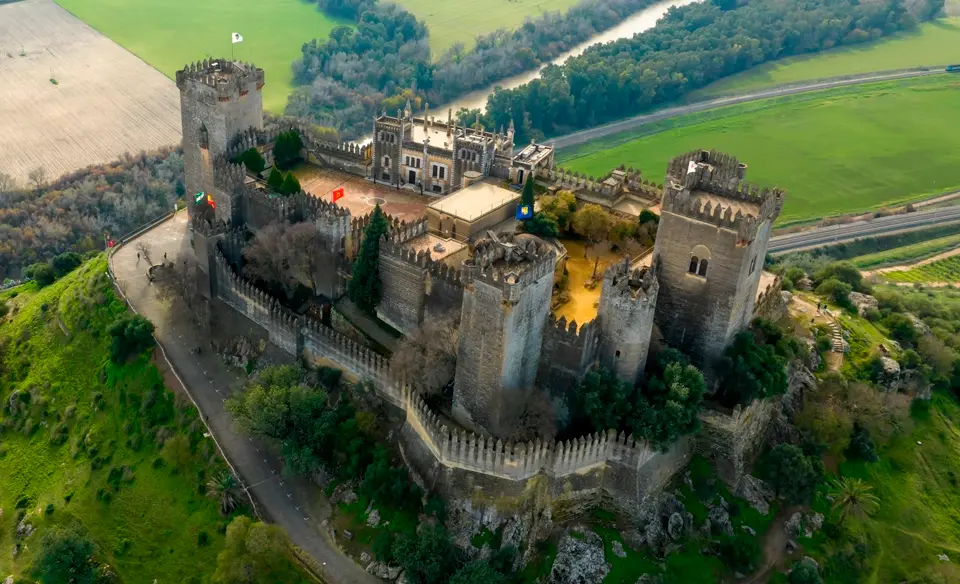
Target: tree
{"x": 478, "y": 572}
{"x": 130, "y": 334}
{"x": 845, "y": 272}
{"x": 901, "y": 328}
{"x": 750, "y": 370}
{"x": 390, "y": 485}
{"x": 602, "y": 399}
{"x": 862, "y": 446}
{"x": 41, "y": 273}
{"x": 793, "y": 475}
{"x": 286, "y": 150}
{"x": 622, "y": 231}
{"x": 254, "y": 553}
{"x": 144, "y": 249}
{"x": 224, "y": 489}
{"x": 527, "y": 196}
{"x": 852, "y": 498}
{"x": 427, "y": 359}
{"x": 804, "y": 572}
{"x": 291, "y": 185}
{"x": 365, "y": 287}
{"x": 541, "y": 225}
{"x": 275, "y": 180}
{"x": 177, "y": 451}
{"x": 66, "y": 557}
{"x": 252, "y": 159}
{"x": 7, "y": 184}
{"x": 560, "y": 207}
{"x": 428, "y": 557}
{"x": 286, "y": 256}
{"x": 38, "y": 177}
{"x": 669, "y": 406}
{"x": 65, "y": 263}
{"x": 648, "y": 216}
{"x": 592, "y": 223}
{"x": 838, "y": 291}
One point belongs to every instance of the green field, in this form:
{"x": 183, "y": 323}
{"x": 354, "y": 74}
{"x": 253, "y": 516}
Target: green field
{"x": 835, "y": 152}
{"x": 907, "y": 253}
{"x": 146, "y": 520}
{"x": 462, "y": 21}
{"x": 945, "y": 270}
{"x": 933, "y": 43}
{"x": 169, "y": 34}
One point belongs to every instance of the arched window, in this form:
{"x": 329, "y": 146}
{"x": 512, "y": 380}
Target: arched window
{"x": 693, "y": 264}
{"x": 204, "y": 138}
{"x": 702, "y": 270}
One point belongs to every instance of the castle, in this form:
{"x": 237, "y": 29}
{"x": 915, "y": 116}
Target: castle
{"x": 698, "y": 287}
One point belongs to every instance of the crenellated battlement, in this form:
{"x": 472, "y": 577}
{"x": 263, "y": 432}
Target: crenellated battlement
{"x": 639, "y": 284}
{"x": 227, "y": 78}
{"x": 570, "y": 333}
{"x": 439, "y": 271}
{"x": 510, "y": 262}
{"x": 620, "y": 181}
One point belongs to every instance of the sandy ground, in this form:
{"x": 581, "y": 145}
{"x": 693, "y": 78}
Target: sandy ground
{"x": 105, "y": 101}
{"x": 582, "y": 305}
{"x": 360, "y": 195}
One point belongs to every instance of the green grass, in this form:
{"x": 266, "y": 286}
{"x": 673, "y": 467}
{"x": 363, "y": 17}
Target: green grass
{"x": 933, "y": 43}
{"x": 907, "y": 253}
{"x": 170, "y": 34}
{"x": 945, "y": 270}
{"x": 464, "y": 20}
{"x": 56, "y": 349}
{"x": 916, "y": 481}
{"x": 835, "y": 152}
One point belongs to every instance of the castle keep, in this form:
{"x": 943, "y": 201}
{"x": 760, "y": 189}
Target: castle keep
{"x": 698, "y": 287}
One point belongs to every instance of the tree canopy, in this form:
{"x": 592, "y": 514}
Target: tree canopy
{"x": 750, "y": 370}
{"x": 365, "y": 286}
{"x": 254, "y": 553}
{"x": 66, "y": 557}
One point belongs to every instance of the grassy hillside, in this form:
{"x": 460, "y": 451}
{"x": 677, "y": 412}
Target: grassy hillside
{"x": 835, "y": 152}
{"x": 170, "y": 34}
{"x": 933, "y": 43}
{"x": 83, "y": 443}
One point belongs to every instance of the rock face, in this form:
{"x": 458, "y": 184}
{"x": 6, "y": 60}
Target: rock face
{"x": 579, "y": 561}
{"x": 720, "y": 521}
{"x": 618, "y": 550}
{"x": 805, "y": 524}
{"x": 756, "y": 492}
{"x": 382, "y": 570}
{"x": 675, "y": 527}
{"x": 863, "y": 302}
{"x": 793, "y": 525}
{"x": 373, "y": 519}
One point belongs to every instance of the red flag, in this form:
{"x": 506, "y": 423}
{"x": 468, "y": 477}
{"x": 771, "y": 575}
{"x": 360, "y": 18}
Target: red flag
{"x": 210, "y": 202}
{"x": 110, "y": 243}
{"x": 337, "y": 194}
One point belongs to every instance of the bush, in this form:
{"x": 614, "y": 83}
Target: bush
{"x": 862, "y": 446}
{"x": 750, "y": 370}
{"x": 275, "y": 180}
{"x": 49, "y": 510}
{"x": 286, "y": 150}
{"x": 739, "y": 553}
{"x": 65, "y": 263}
{"x": 130, "y": 335}
{"x": 383, "y": 547}
{"x": 203, "y": 539}
{"x": 252, "y": 159}
{"x": 648, "y": 216}
{"x": 291, "y": 185}
{"x": 793, "y": 475}
{"x": 41, "y": 273}
{"x": 804, "y": 572}
{"x": 837, "y": 290}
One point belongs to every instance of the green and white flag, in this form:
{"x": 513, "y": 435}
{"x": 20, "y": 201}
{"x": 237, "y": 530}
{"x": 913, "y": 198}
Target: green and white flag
{"x": 200, "y": 197}
{"x": 236, "y": 37}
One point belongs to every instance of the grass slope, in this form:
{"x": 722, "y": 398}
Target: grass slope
{"x": 945, "y": 270}
{"x": 933, "y": 43}
{"x": 57, "y": 350}
{"x": 907, "y": 253}
{"x": 464, "y": 20}
{"x": 172, "y": 33}
{"x": 835, "y": 152}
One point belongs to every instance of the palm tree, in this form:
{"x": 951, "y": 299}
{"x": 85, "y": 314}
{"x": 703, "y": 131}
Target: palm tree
{"x": 852, "y": 497}
{"x": 224, "y": 488}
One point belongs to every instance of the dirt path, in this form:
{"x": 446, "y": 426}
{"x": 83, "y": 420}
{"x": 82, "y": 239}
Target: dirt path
{"x": 904, "y": 267}
{"x": 801, "y": 307}
{"x": 774, "y": 547}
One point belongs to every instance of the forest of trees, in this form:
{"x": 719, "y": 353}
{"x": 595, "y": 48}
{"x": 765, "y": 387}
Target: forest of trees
{"x": 689, "y": 48}
{"x": 78, "y": 209}
{"x": 386, "y": 59}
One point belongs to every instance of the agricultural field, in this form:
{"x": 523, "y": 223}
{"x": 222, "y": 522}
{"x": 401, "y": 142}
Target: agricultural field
{"x": 932, "y": 43}
{"x": 945, "y": 270}
{"x": 71, "y": 98}
{"x": 82, "y": 444}
{"x": 907, "y": 253}
{"x": 835, "y": 152}
{"x": 170, "y": 34}
{"x": 463, "y": 21}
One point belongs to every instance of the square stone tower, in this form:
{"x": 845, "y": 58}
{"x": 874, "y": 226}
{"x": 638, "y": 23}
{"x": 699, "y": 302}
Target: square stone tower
{"x": 709, "y": 253}
{"x": 506, "y": 300}
{"x": 218, "y": 100}
{"x": 627, "y": 303}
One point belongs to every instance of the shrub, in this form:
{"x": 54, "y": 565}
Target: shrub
{"x": 648, "y": 216}
{"x": 130, "y": 335}
{"x": 252, "y": 159}
{"x": 65, "y": 263}
{"x": 49, "y": 509}
{"x": 793, "y": 475}
{"x": 291, "y": 185}
{"x": 203, "y": 539}
{"x": 862, "y": 446}
{"x": 739, "y": 553}
{"x": 750, "y": 370}
{"x": 41, "y": 273}
{"x": 383, "y": 547}
{"x": 804, "y": 572}
{"x": 837, "y": 290}
{"x": 286, "y": 150}
{"x": 275, "y": 180}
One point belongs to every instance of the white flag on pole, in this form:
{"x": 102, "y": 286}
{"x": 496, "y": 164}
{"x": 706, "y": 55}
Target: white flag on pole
{"x": 692, "y": 167}
{"x": 236, "y": 37}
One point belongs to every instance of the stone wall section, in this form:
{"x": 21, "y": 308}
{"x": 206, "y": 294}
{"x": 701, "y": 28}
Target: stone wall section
{"x": 568, "y": 352}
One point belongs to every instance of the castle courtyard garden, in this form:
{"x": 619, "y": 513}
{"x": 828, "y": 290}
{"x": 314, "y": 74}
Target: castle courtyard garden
{"x": 836, "y": 152}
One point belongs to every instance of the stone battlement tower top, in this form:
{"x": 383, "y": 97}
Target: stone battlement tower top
{"x": 226, "y": 78}
{"x": 510, "y": 262}
{"x": 628, "y": 300}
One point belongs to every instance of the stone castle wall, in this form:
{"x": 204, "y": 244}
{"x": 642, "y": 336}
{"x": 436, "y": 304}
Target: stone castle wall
{"x": 570, "y": 475}
{"x": 770, "y": 303}
{"x": 567, "y": 353}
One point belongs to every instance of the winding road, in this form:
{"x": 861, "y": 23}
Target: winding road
{"x": 638, "y": 121}
{"x": 880, "y": 226}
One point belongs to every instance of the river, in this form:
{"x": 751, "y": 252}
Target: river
{"x": 637, "y": 22}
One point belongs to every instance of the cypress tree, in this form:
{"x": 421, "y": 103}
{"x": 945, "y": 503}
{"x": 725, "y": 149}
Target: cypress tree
{"x": 275, "y": 180}
{"x": 527, "y": 197}
{"x": 364, "y": 288}
{"x": 291, "y": 185}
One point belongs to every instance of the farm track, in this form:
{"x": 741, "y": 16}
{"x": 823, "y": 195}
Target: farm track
{"x": 105, "y": 101}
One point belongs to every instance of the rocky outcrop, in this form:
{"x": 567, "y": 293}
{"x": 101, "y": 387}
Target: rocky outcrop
{"x": 755, "y": 492}
{"x": 384, "y": 571}
{"x": 718, "y": 522}
{"x": 863, "y": 302}
{"x": 579, "y": 560}
{"x": 805, "y": 524}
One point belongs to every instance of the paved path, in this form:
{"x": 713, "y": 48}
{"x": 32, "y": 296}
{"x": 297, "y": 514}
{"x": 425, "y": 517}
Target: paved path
{"x": 880, "y": 226}
{"x": 293, "y": 504}
{"x": 664, "y": 114}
